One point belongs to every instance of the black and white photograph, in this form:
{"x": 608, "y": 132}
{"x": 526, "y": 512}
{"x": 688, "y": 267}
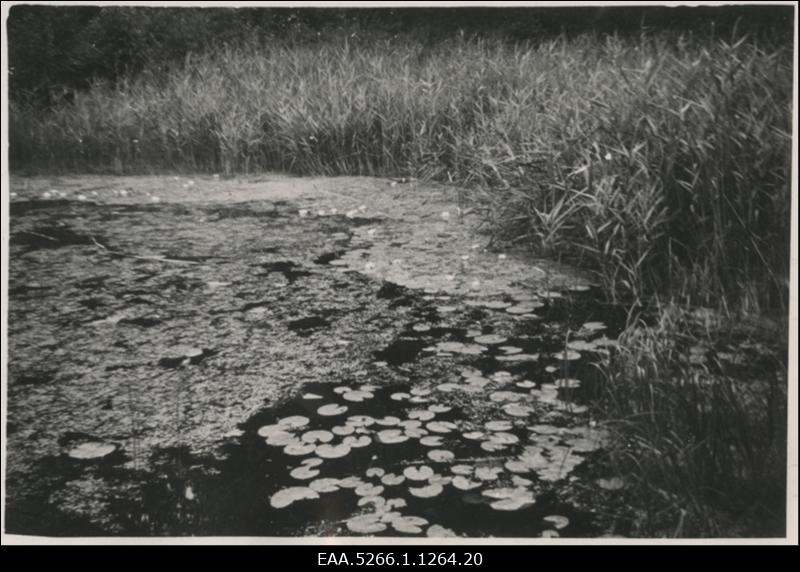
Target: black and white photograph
{"x": 452, "y": 273}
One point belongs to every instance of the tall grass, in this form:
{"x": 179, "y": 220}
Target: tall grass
{"x": 700, "y": 410}
{"x": 660, "y": 162}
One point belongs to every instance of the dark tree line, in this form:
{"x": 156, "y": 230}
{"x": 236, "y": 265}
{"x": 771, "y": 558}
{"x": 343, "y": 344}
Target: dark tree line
{"x": 54, "y": 49}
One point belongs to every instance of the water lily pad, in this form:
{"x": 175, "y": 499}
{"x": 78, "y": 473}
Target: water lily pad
{"x": 311, "y": 462}
{"x": 421, "y": 473}
{"x": 410, "y": 424}
{"x": 311, "y": 396}
{"x": 525, "y": 384}
{"x": 517, "y": 466}
{"x": 350, "y": 482}
{"x": 285, "y": 497}
{"x": 409, "y": 524}
{"x": 568, "y": 383}
{"x": 399, "y": 396}
{"x": 299, "y": 449}
{"x": 447, "y": 387}
{"x": 92, "y": 450}
{"x": 391, "y": 480}
{"x": 499, "y": 425}
{"x": 490, "y": 339}
{"x": 319, "y": 436}
{"x": 441, "y": 456}
{"x": 496, "y": 304}
{"x": 368, "y": 489}
{"x": 549, "y": 534}
{"x": 375, "y": 472}
{"x": 426, "y": 492}
{"x": 420, "y": 391}
{"x": 421, "y": 414}
{"x": 477, "y": 382}
{"x": 492, "y": 447}
{"x": 303, "y": 473}
{"x": 567, "y": 355}
{"x": 462, "y": 483}
{"x": 488, "y": 473}
{"x": 503, "y": 492}
{"x": 460, "y": 348}
{"x": 509, "y": 499}
{"x": 343, "y": 430}
{"x": 392, "y": 436}
{"x": 462, "y": 469}
{"x": 510, "y": 350}
{"x": 275, "y": 429}
{"x": 366, "y": 524}
{"x": 582, "y": 346}
{"x": 474, "y": 435}
{"x": 527, "y": 308}
{"x": 388, "y": 421}
{"x": 332, "y": 409}
{"x": 416, "y": 433}
{"x": 294, "y": 421}
{"x": 503, "y": 438}
{"x": 437, "y": 531}
{"x": 441, "y": 426}
{"x": 396, "y": 503}
{"x": 357, "y": 396}
{"x": 324, "y": 485}
{"x": 357, "y": 442}
{"x": 502, "y": 377}
{"x": 517, "y": 410}
{"x": 360, "y": 420}
{"x": 498, "y": 396}
{"x": 437, "y": 408}
{"x": 593, "y": 326}
{"x": 543, "y": 429}
{"x": 281, "y": 439}
{"x": 513, "y": 503}
{"x": 431, "y": 441}
{"x": 557, "y": 521}
{"x": 517, "y": 357}
{"x": 333, "y": 451}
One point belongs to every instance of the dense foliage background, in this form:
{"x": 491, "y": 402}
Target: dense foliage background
{"x": 53, "y": 49}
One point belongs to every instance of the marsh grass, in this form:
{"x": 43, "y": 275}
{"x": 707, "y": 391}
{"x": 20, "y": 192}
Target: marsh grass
{"x": 701, "y": 419}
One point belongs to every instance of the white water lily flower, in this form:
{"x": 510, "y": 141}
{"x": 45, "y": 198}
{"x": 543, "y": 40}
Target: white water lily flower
{"x": 92, "y": 450}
